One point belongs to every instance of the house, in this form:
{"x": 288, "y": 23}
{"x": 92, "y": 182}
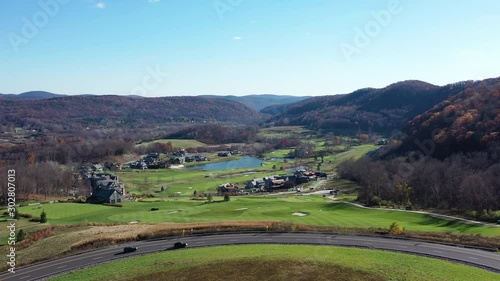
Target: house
{"x": 154, "y": 155}
{"x": 96, "y": 167}
{"x": 188, "y": 159}
{"x": 177, "y": 160}
{"x": 199, "y": 158}
{"x": 224, "y": 154}
{"x": 229, "y": 189}
{"x": 255, "y": 183}
{"x": 106, "y": 182}
{"x": 181, "y": 152}
{"x": 141, "y": 165}
{"x": 113, "y": 166}
{"x": 101, "y": 196}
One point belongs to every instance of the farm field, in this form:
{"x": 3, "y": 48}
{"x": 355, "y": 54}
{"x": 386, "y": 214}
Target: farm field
{"x": 317, "y": 210}
{"x": 279, "y": 262}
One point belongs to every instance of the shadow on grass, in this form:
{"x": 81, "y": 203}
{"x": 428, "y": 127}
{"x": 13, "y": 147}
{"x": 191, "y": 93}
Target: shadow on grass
{"x": 451, "y": 224}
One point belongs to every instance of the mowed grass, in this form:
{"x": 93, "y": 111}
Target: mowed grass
{"x": 320, "y": 211}
{"x": 185, "y": 182}
{"x": 286, "y": 262}
{"x": 356, "y": 152}
{"x": 188, "y": 143}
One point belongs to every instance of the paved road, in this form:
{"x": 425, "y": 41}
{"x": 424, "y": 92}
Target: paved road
{"x": 472, "y": 257}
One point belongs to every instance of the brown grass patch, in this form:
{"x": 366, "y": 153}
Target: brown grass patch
{"x": 250, "y": 270}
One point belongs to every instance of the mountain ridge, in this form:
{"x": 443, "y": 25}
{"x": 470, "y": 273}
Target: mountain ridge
{"x": 380, "y": 110}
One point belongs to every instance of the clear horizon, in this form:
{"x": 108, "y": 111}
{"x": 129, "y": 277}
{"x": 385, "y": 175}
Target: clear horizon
{"x": 221, "y": 47}
{"x": 256, "y": 94}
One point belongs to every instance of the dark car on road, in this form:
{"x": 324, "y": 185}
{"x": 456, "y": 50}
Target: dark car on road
{"x": 129, "y": 249}
{"x": 178, "y": 245}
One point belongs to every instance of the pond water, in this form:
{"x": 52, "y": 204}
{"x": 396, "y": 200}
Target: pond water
{"x": 245, "y": 162}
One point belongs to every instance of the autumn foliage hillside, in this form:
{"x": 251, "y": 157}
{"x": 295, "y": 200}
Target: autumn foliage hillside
{"x": 466, "y": 122}
{"x": 119, "y": 111}
{"x": 377, "y": 110}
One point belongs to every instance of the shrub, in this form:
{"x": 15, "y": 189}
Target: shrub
{"x": 35, "y": 219}
{"x": 43, "y": 217}
{"x": 396, "y": 229}
{"x": 21, "y": 235}
{"x": 28, "y": 216}
{"x": 373, "y": 201}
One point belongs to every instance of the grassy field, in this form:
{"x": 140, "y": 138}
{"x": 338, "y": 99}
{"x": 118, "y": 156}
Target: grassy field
{"x": 283, "y": 132}
{"x": 356, "y": 152}
{"x": 177, "y": 143}
{"x": 320, "y": 211}
{"x": 279, "y": 262}
{"x": 185, "y": 182}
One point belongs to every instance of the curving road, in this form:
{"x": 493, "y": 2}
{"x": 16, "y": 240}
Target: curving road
{"x": 473, "y": 257}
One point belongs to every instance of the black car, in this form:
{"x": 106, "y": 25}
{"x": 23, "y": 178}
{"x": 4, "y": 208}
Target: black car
{"x": 129, "y": 249}
{"x": 178, "y": 245}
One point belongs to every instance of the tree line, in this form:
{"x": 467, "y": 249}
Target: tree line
{"x": 466, "y": 183}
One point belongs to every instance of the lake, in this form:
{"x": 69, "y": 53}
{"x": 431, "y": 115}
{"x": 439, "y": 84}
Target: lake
{"x": 245, "y": 162}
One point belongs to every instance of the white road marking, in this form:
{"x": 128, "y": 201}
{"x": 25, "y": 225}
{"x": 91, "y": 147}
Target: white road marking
{"x": 24, "y": 277}
{"x": 62, "y": 266}
{"x": 234, "y": 240}
{"x": 267, "y": 239}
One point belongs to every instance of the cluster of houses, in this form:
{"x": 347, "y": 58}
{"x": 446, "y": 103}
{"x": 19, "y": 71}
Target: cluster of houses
{"x": 153, "y": 160}
{"x": 150, "y": 161}
{"x": 272, "y": 183}
{"x": 105, "y": 188}
{"x": 89, "y": 169}
{"x": 228, "y": 153}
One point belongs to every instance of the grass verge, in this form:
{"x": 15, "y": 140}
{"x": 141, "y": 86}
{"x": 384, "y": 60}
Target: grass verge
{"x": 279, "y": 262}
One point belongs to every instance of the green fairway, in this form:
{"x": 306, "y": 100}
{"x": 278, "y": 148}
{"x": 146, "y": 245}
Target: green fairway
{"x": 289, "y": 263}
{"x": 185, "y": 182}
{"x": 319, "y": 212}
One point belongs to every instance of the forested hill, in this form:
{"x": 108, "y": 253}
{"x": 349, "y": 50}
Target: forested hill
{"x": 258, "y": 102}
{"x": 119, "y": 110}
{"x": 379, "y": 110}
{"x": 33, "y": 95}
{"x": 466, "y": 122}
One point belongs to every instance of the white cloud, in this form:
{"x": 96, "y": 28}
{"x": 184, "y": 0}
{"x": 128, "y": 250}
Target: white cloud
{"x": 100, "y": 5}
{"x": 237, "y": 38}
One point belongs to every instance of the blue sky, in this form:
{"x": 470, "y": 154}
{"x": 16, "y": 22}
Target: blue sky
{"x": 239, "y": 47}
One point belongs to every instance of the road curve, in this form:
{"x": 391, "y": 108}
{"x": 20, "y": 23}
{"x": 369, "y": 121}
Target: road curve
{"x": 473, "y": 257}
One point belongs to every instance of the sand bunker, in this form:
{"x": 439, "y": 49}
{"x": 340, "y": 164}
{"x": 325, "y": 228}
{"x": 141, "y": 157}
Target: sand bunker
{"x": 300, "y": 214}
{"x": 241, "y": 209}
{"x": 173, "y": 212}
